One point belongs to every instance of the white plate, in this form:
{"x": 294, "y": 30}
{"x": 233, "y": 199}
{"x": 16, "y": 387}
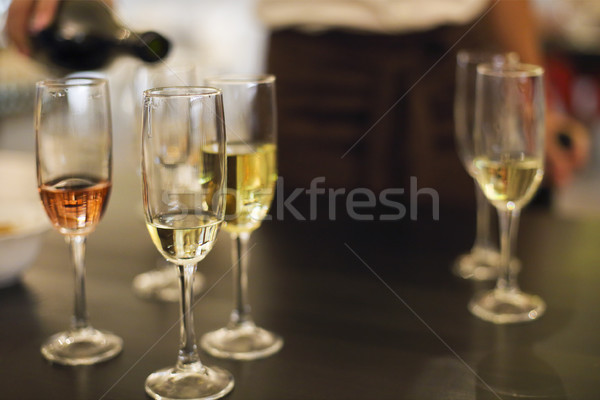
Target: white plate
{"x": 22, "y": 211}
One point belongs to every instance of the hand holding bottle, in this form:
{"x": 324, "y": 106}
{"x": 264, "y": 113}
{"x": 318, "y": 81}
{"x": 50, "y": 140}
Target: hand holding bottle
{"x": 75, "y": 35}
{"x": 28, "y": 17}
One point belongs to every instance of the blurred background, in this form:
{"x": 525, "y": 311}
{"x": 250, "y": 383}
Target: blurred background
{"x": 227, "y": 36}
{"x": 215, "y": 36}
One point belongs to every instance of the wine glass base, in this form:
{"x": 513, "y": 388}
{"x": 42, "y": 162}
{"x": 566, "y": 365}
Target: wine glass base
{"x": 467, "y": 266}
{"x": 162, "y": 284}
{"x": 507, "y": 307}
{"x": 81, "y": 347}
{"x": 196, "y": 383}
{"x": 243, "y": 342}
{"x": 481, "y": 265}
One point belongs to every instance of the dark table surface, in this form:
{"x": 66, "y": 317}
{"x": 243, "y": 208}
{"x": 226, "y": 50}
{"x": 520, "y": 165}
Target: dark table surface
{"x": 368, "y": 310}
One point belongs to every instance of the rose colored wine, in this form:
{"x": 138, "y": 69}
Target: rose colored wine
{"x": 75, "y": 204}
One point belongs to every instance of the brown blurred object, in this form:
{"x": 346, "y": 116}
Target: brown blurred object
{"x": 369, "y": 110}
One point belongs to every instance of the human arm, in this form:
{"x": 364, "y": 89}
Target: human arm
{"x": 514, "y": 26}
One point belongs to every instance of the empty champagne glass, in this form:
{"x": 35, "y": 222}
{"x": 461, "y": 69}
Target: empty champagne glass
{"x": 250, "y": 115}
{"x": 162, "y": 282}
{"x": 74, "y": 162}
{"x": 508, "y": 166}
{"x": 183, "y": 183}
{"x": 481, "y": 262}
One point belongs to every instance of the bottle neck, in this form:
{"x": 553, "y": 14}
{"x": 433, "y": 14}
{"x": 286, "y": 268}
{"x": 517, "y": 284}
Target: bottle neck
{"x": 149, "y": 46}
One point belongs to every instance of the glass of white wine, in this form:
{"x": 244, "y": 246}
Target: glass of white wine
{"x": 184, "y": 206}
{"x": 508, "y": 166}
{"x": 74, "y": 172}
{"x": 481, "y": 262}
{"x": 162, "y": 282}
{"x": 250, "y": 114}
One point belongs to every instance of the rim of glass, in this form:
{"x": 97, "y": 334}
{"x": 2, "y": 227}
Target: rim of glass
{"x": 467, "y": 56}
{"x": 74, "y": 81}
{"x": 242, "y": 78}
{"x": 510, "y": 70}
{"x": 182, "y": 91}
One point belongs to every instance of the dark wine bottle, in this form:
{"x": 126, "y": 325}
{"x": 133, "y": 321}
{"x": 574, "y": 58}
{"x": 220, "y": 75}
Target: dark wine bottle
{"x": 84, "y": 35}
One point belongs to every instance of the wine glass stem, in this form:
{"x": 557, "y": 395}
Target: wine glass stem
{"x": 188, "y": 357}
{"x": 77, "y": 247}
{"x": 241, "y": 312}
{"x": 482, "y": 234}
{"x": 509, "y": 223}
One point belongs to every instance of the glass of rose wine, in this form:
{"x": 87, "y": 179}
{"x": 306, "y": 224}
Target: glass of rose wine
{"x": 183, "y": 190}
{"x": 74, "y": 161}
{"x": 250, "y": 117}
{"x": 508, "y": 165}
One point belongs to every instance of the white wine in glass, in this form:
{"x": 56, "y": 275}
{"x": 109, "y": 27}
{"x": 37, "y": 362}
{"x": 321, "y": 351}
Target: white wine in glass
{"x": 508, "y": 166}
{"x": 481, "y": 262}
{"x": 250, "y": 115}
{"x": 162, "y": 282}
{"x": 184, "y": 206}
{"x": 74, "y": 172}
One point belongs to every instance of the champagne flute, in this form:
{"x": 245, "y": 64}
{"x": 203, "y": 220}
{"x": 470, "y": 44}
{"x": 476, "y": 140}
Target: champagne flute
{"x": 508, "y": 166}
{"x": 148, "y": 76}
{"x": 481, "y": 262}
{"x": 250, "y": 116}
{"x": 162, "y": 282}
{"x": 74, "y": 161}
{"x": 183, "y": 192}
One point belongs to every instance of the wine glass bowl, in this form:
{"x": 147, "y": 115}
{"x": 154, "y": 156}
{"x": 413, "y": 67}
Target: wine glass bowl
{"x": 74, "y": 174}
{"x": 250, "y": 118}
{"x": 183, "y": 191}
{"x": 508, "y": 166}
